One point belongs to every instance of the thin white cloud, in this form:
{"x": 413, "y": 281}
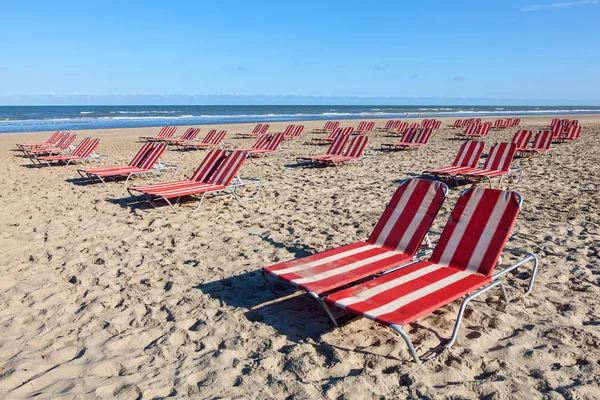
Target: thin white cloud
{"x": 538, "y": 7}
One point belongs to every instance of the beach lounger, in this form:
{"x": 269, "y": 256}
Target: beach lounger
{"x": 466, "y": 160}
{"x": 62, "y": 146}
{"x": 259, "y": 129}
{"x": 83, "y": 152}
{"x": 270, "y": 144}
{"x": 333, "y": 135}
{"x": 388, "y": 125}
{"x": 469, "y": 131}
{"x": 364, "y": 127}
{"x": 188, "y": 136}
{"x": 541, "y": 144}
{"x": 400, "y": 129}
{"x": 572, "y": 133}
{"x": 213, "y": 139}
{"x": 419, "y": 139}
{"x": 480, "y": 131}
{"x": 497, "y": 164}
{"x": 457, "y": 124}
{"x": 521, "y": 139}
{"x": 329, "y": 126}
{"x": 516, "y": 122}
{"x": 146, "y": 162}
{"x": 166, "y": 132}
{"x": 296, "y": 132}
{"x": 394, "y": 241}
{"x": 463, "y": 263}
{"x": 216, "y": 174}
{"x": 335, "y": 149}
{"x": 52, "y": 140}
{"x": 354, "y": 153}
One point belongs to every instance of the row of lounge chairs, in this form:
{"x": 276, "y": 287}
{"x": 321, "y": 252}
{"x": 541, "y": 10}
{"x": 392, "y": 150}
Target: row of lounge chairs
{"x": 386, "y": 280}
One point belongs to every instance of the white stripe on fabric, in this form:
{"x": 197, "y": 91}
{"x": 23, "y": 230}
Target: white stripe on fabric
{"x": 385, "y": 232}
{"x": 417, "y": 218}
{"x": 374, "y": 291}
{"x": 316, "y": 263}
{"x": 416, "y": 295}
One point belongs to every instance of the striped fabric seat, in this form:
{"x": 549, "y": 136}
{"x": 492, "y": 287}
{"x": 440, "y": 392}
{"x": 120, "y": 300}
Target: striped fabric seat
{"x": 62, "y": 145}
{"x": 329, "y": 126}
{"x": 259, "y": 129}
{"x": 394, "y": 241}
{"x": 521, "y": 139}
{"x": 188, "y": 136}
{"x": 214, "y": 174}
{"x": 482, "y": 130}
{"x": 51, "y": 141}
{"x": 466, "y": 160}
{"x": 81, "y": 153}
{"x": 462, "y": 261}
{"x": 165, "y": 133}
{"x": 388, "y": 125}
{"x": 365, "y": 127}
{"x": 470, "y": 130}
{"x": 295, "y": 133}
{"x": 335, "y": 149}
{"x": 541, "y": 143}
{"x": 399, "y": 129}
{"x": 213, "y": 139}
{"x": 272, "y": 144}
{"x": 572, "y": 133}
{"x": 354, "y": 152}
{"x": 420, "y": 138}
{"x": 497, "y": 163}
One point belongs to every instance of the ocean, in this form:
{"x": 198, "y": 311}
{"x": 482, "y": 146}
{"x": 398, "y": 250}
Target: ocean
{"x": 66, "y": 118}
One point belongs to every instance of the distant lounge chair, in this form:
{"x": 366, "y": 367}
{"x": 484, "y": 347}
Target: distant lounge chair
{"x": 521, "y": 139}
{"x": 259, "y": 129}
{"x": 82, "y": 153}
{"x": 265, "y": 145}
{"x": 334, "y": 134}
{"x": 496, "y": 165}
{"x": 541, "y": 144}
{"x": 364, "y": 127}
{"x": 165, "y": 133}
{"x": 394, "y": 241}
{"x": 478, "y": 131}
{"x": 354, "y": 153}
{"x": 419, "y": 139}
{"x": 51, "y": 141}
{"x": 329, "y": 127}
{"x": 462, "y": 265}
{"x": 146, "y": 162}
{"x": 188, "y": 136}
{"x": 572, "y": 133}
{"x": 213, "y": 139}
{"x": 335, "y": 149}
{"x": 294, "y": 133}
{"x": 466, "y": 160}
{"x": 217, "y": 173}
{"x": 388, "y": 125}
{"x": 62, "y": 146}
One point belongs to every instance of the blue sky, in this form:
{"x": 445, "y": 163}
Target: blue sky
{"x": 519, "y": 51}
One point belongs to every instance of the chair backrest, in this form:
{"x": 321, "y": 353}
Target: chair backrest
{"x": 409, "y": 215}
{"x": 264, "y": 129}
{"x": 334, "y": 133}
{"x": 261, "y": 142}
{"x": 477, "y": 230}
{"x": 82, "y": 145}
{"x": 328, "y": 125}
{"x": 410, "y": 134}
{"x": 521, "y": 138}
{"x": 415, "y": 125}
{"x": 574, "y": 132}
{"x": 500, "y": 157}
{"x": 258, "y": 128}
{"x": 334, "y": 125}
{"x": 190, "y": 134}
{"x": 349, "y": 130}
{"x": 402, "y": 126}
{"x": 274, "y": 141}
{"x": 288, "y": 130}
{"x": 543, "y": 140}
{"x": 557, "y": 130}
{"x": 208, "y": 138}
{"x": 516, "y": 122}
{"x": 66, "y": 141}
{"x": 396, "y": 125}
{"x": 422, "y": 136}
{"x": 298, "y": 131}
{"x": 469, "y": 154}
{"x": 209, "y": 165}
{"x": 228, "y": 168}
{"x": 471, "y": 130}
{"x": 361, "y": 126}
{"x": 458, "y": 123}
{"x": 370, "y": 126}
{"x": 218, "y": 137}
{"x": 338, "y": 144}
{"x": 498, "y": 123}
{"x": 55, "y": 137}
{"x": 555, "y": 121}
{"x": 389, "y": 124}
{"x": 508, "y": 123}
{"x": 86, "y": 147}
{"x": 357, "y": 146}
{"x": 167, "y": 131}
{"x": 152, "y": 156}
{"x": 437, "y": 125}
{"x": 141, "y": 154}
{"x": 484, "y": 129}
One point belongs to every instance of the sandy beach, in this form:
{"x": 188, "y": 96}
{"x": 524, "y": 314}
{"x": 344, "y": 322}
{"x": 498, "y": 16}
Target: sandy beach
{"x": 103, "y": 299}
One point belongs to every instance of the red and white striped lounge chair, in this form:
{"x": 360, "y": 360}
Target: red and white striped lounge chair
{"x": 365, "y": 128}
{"x": 521, "y": 139}
{"x": 395, "y": 240}
{"x": 354, "y": 152}
{"x": 572, "y": 133}
{"x": 498, "y": 124}
{"x": 335, "y": 149}
{"x": 295, "y": 133}
{"x": 334, "y": 134}
{"x": 189, "y": 136}
{"x": 165, "y": 133}
{"x": 217, "y": 173}
{"x": 462, "y": 264}
{"x": 469, "y": 131}
{"x": 388, "y": 125}
{"x": 288, "y": 130}
{"x": 259, "y": 129}
{"x": 52, "y": 140}
{"x": 480, "y": 131}
{"x": 213, "y": 139}
{"x": 83, "y": 152}
{"x": 146, "y": 162}
{"x": 419, "y": 139}
{"x": 466, "y": 160}
{"x": 400, "y": 129}
{"x": 497, "y": 164}
{"x": 457, "y": 124}
{"x": 61, "y": 146}
{"x": 516, "y": 122}
{"x": 271, "y": 144}
{"x": 541, "y": 144}
{"x": 329, "y": 127}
